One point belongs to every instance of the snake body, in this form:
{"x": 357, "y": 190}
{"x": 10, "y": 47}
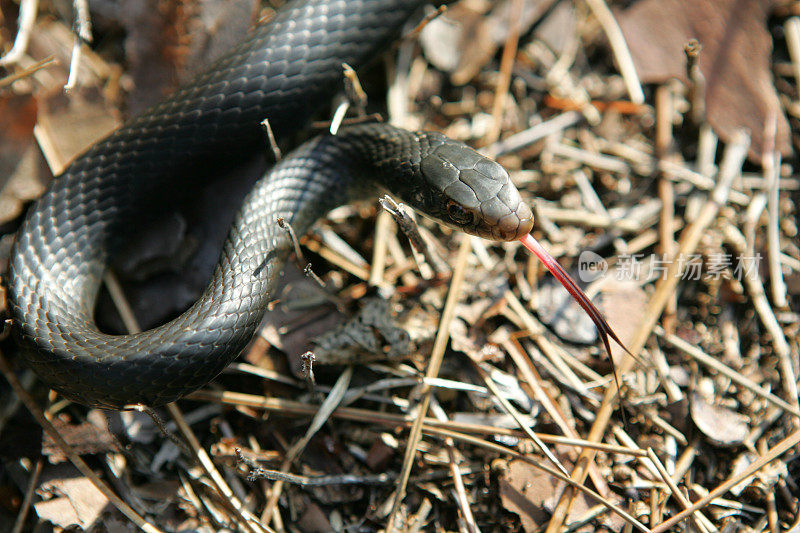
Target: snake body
{"x": 283, "y": 71}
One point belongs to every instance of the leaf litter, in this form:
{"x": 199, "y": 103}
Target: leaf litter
{"x": 711, "y": 397}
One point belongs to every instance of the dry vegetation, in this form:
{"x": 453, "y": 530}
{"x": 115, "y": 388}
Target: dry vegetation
{"x": 454, "y": 387}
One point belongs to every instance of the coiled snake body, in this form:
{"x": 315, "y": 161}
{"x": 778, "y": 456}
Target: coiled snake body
{"x": 283, "y": 71}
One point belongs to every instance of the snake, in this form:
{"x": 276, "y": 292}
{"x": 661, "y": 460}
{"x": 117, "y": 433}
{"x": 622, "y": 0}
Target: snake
{"x": 284, "y": 71}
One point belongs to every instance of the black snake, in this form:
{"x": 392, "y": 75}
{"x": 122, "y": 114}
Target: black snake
{"x": 283, "y": 71}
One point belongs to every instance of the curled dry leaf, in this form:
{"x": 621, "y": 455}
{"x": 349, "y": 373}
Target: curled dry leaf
{"x": 721, "y": 426}
{"x": 734, "y": 60}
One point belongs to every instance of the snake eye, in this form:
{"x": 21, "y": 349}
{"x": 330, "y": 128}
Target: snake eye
{"x": 457, "y": 213}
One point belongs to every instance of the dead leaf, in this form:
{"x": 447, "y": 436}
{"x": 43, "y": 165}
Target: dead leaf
{"x": 75, "y": 500}
{"x": 83, "y": 438}
{"x": 723, "y": 427}
{"x": 623, "y": 304}
{"x": 533, "y": 495}
{"x": 371, "y": 333}
{"x": 559, "y": 311}
{"x": 528, "y": 492}
{"x": 169, "y": 42}
{"x": 735, "y": 59}
{"x": 22, "y": 175}
{"x": 466, "y": 38}
{"x": 68, "y": 124}
{"x": 302, "y": 312}
{"x": 313, "y": 519}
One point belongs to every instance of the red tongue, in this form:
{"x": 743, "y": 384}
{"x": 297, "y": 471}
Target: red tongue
{"x": 561, "y": 275}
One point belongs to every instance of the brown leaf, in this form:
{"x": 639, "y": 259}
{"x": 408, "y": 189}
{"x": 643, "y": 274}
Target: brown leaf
{"x": 84, "y": 438}
{"x": 534, "y": 494}
{"x": 169, "y": 42}
{"x": 528, "y": 492}
{"x": 623, "y": 304}
{"x": 22, "y": 176}
{"x": 735, "y": 59}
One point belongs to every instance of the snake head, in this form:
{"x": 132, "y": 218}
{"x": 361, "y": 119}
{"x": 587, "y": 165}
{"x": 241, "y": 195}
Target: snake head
{"x": 470, "y": 192}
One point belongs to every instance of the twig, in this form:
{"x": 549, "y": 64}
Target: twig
{"x": 273, "y": 144}
{"x": 525, "y": 138}
{"x": 24, "y": 73}
{"x": 706, "y": 153}
{"x": 307, "y": 369}
{"x": 690, "y": 238}
{"x": 338, "y": 115}
{"x": 69, "y": 452}
{"x": 620, "y": 49}
{"x": 782, "y": 447}
{"x": 533, "y": 379}
{"x": 771, "y": 164}
{"x": 411, "y": 231}
{"x": 537, "y": 464}
{"x": 792, "y": 32}
{"x": 354, "y": 97}
{"x": 750, "y": 222}
{"x": 287, "y": 227}
{"x": 518, "y": 417}
{"x": 162, "y": 427}
{"x": 309, "y": 272}
{"x": 425, "y": 21}
{"x": 33, "y": 482}
{"x": 737, "y": 377}
{"x": 379, "y": 249}
{"x": 323, "y": 413}
{"x": 594, "y": 160}
{"x": 461, "y": 493}
{"x": 243, "y": 516}
{"x": 294, "y": 408}
{"x": 26, "y": 21}
{"x": 83, "y": 34}
{"x": 697, "y": 82}
{"x": 337, "y": 259}
{"x": 702, "y": 523}
{"x": 120, "y": 302}
{"x": 767, "y": 315}
{"x": 257, "y": 472}
{"x": 666, "y": 190}
{"x": 437, "y": 354}
{"x": 506, "y": 66}
{"x": 355, "y": 93}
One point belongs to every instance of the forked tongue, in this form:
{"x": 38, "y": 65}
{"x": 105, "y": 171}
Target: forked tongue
{"x": 561, "y": 275}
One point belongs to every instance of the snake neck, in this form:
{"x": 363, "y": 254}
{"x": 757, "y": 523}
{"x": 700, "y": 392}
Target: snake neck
{"x": 188, "y": 351}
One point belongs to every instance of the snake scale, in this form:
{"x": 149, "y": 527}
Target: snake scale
{"x": 284, "y": 71}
